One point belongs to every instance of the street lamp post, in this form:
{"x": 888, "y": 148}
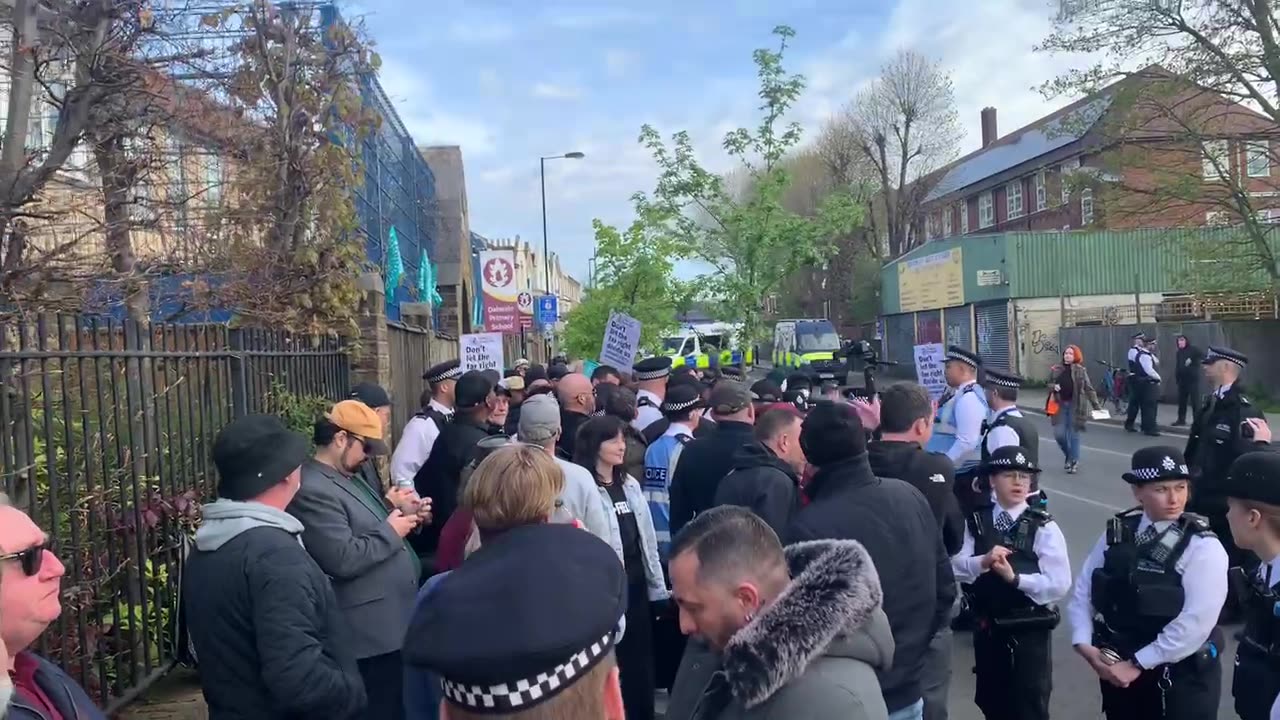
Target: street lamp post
{"x": 546, "y": 254}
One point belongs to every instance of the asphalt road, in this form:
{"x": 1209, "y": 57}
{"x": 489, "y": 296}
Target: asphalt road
{"x": 1080, "y": 504}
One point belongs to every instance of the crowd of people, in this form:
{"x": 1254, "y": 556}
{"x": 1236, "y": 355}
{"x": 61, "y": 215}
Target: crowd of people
{"x": 548, "y": 544}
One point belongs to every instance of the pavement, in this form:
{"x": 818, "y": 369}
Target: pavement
{"x": 1032, "y": 400}
{"x": 1080, "y": 504}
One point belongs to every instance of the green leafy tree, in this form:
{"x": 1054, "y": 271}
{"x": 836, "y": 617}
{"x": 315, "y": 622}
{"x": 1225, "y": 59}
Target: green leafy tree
{"x": 748, "y": 236}
{"x": 634, "y": 275}
{"x": 1191, "y": 90}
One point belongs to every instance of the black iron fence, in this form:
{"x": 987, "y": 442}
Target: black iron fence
{"x": 105, "y": 444}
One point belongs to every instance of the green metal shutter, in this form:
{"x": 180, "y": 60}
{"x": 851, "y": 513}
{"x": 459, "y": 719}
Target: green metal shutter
{"x": 956, "y": 328}
{"x": 900, "y": 338}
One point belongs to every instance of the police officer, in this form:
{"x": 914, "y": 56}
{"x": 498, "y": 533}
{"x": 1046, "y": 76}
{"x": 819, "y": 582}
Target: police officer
{"x": 1218, "y": 436}
{"x": 528, "y": 625}
{"x": 1145, "y": 606}
{"x": 1144, "y": 386}
{"x": 424, "y": 427}
{"x": 681, "y": 410}
{"x": 1015, "y": 558}
{"x": 957, "y": 431}
{"x": 1253, "y": 498}
{"x": 1005, "y": 424}
{"x": 651, "y": 376}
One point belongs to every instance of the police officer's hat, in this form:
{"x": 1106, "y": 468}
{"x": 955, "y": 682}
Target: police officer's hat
{"x": 476, "y": 632}
{"x": 1255, "y": 476}
{"x": 1009, "y": 457}
{"x": 1002, "y": 379}
{"x": 766, "y": 391}
{"x": 733, "y": 372}
{"x": 682, "y": 397}
{"x": 968, "y": 357}
{"x": 654, "y": 368}
{"x": 447, "y": 370}
{"x": 798, "y": 381}
{"x": 1157, "y": 463}
{"x": 1225, "y": 354}
{"x": 1139, "y": 336}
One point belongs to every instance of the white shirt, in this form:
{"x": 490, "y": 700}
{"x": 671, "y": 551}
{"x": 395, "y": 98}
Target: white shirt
{"x": 1221, "y": 392}
{"x": 415, "y": 445}
{"x": 1046, "y": 587}
{"x": 646, "y": 415}
{"x": 1203, "y": 567}
{"x": 969, "y": 414}
{"x": 1003, "y": 436}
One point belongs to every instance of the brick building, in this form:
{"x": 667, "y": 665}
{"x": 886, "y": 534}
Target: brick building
{"x": 1151, "y": 151}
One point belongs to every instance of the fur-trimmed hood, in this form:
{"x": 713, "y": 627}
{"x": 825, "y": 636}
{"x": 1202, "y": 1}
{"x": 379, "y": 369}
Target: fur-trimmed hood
{"x": 830, "y": 608}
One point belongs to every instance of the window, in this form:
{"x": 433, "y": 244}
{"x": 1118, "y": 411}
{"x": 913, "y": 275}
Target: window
{"x": 1217, "y": 218}
{"x": 1258, "y": 159}
{"x": 212, "y": 179}
{"x": 1268, "y": 217}
{"x": 1013, "y": 200}
{"x": 928, "y": 227}
{"x": 946, "y": 222}
{"x": 1068, "y": 167}
{"x": 1042, "y": 193}
{"x": 1216, "y": 162}
{"x": 964, "y": 216}
{"x": 1086, "y": 206}
{"x": 986, "y": 211}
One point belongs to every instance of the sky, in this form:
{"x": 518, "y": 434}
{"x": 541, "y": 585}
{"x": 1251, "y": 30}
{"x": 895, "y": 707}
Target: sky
{"x": 510, "y": 81}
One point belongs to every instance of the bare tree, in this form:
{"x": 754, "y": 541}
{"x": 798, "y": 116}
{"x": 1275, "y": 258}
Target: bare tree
{"x": 905, "y": 126}
{"x": 1191, "y": 131}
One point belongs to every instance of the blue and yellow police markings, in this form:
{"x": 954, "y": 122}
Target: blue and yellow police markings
{"x": 704, "y": 360}
{"x": 799, "y": 360}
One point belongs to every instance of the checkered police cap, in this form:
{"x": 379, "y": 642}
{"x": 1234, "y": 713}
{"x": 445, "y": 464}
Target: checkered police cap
{"x": 1221, "y": 353}
{"x": 968, "y": 357}
{"x": 654, "y": 368}
{"x": 1003, "y": 379}
{"x": 525, "y": 693}
{"x": 450, "y": 370}
{"x": 1152, "y": 464}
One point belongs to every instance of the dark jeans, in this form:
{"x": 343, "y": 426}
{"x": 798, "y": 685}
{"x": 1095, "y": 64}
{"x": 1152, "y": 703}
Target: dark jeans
{"x": 1190, "y": 692}
{"x": 935, "y": 678}
{"x": 1142, "y": 398}
{"x": 635, "y": 655}
{"x": 1188, "y": 394}
{"x": 383, "y": 677}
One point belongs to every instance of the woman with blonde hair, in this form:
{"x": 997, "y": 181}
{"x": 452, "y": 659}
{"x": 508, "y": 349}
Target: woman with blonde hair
{"x": 1076, "y": 399}
{"x": 515, "y": 485}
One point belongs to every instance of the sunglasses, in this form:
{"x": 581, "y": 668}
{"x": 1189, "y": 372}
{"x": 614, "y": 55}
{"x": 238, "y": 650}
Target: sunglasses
{"x": 31, "y": 559}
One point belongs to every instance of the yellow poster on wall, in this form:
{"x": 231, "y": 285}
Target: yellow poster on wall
{"x": 932, "y": 281}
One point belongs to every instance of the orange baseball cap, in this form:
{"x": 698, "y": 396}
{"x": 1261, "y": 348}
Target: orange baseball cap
{"x": 360, "y": 420}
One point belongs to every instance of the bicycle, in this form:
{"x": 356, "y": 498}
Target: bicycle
{"x": 1115, "y": 382}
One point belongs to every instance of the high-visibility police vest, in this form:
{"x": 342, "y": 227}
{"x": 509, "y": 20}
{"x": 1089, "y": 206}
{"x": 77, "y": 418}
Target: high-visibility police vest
{"x": 659, "y": 464}
{"x": 944, "y": 427}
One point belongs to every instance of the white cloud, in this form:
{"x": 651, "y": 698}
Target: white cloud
{"x": 592, "y": 18}
{"x": 411, "y": 93}
{"x": 556, "y": 91}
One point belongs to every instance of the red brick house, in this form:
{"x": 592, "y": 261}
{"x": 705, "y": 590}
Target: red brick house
{"x": 1149, "y": 151}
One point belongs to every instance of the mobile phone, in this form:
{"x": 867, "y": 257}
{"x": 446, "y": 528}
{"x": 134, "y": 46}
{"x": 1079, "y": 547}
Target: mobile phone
{"x": 857, "y": 393}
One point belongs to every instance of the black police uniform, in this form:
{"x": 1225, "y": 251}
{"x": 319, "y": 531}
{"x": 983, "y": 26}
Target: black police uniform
{"x": 1217, "y": 438}
{"x": 1144, "y": 390}
{"x": 1011, "y": 638}
{"x": 1137, "y": 591}
{"x": 448, "y": 370}
{"x": 519, "y": 622}
{"x": 1256, "y": 476}
{"x": 1028, "y": 436}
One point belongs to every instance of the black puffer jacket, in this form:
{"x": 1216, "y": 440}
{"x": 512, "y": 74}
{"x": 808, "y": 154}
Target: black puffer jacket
{"x": 933, "y": 474}
{"x": 265, "y": 624}
{"x": 762, "y": 482}
{"x": 894, "y": 523}
{"x": 703, "y": 464}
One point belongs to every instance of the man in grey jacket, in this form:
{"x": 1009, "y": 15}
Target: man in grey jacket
{"x": 361, "y": 546}
{"x": 540, "y": 425}
{"x": 795, "y": 633}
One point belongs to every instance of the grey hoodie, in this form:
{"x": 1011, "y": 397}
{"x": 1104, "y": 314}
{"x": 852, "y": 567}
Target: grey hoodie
{"x": 226, "y": 519}
{"x": 810, "y": 655}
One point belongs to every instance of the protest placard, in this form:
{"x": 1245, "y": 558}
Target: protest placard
{"x": 482, "y": 351}
{"x": 931, "y": 360}
{"x": 621, "y": 341}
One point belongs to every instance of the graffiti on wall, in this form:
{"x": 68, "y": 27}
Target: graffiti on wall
{"x": 1038, "y": 342}
{"x": 1042, "y": 342}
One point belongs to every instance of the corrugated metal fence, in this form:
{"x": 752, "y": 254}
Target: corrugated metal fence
{"x": 105, "y": 444}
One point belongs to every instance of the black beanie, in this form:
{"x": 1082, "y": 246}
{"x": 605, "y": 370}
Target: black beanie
{"x": 831, "y": 433}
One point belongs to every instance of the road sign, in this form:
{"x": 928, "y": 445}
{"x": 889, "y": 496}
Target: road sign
{"x": 548, "y": 310}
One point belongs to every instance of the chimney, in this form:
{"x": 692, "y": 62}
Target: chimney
{"x": 989, "y": 132}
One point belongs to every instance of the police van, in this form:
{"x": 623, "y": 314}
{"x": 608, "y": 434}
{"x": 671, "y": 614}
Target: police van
{"x": 703, "y": 345}
{"x": 810, "y": 344}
